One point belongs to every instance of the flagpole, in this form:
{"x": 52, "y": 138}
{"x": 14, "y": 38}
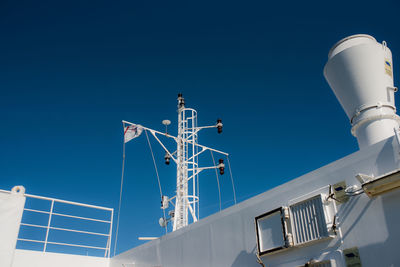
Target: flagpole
{"x": 120, "y": 191}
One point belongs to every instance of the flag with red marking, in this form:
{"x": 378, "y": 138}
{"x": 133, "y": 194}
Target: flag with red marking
{"x": 132, "y": 131}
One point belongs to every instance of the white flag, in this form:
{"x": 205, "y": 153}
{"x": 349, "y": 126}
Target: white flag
{"x": 132, "y": 131}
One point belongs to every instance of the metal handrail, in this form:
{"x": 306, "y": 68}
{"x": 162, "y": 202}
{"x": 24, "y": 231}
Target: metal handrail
{"x": 77, "y": 231}
{"x": 69, "y": 202}
{"x": 74, "y": 245}
{"x": 78, "y": 217}
{"x": 34, "y": 225}
{"x": 51, "y": 213}
{"x": 63, "y": 229}
{"x": 58, "y": 243}
{"x": 67, "y": 215}
{"x": 30, "y": 240}
{"x": 38, "y": 211}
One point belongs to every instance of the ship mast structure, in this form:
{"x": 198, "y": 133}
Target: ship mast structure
{"x": 186, "y": 200}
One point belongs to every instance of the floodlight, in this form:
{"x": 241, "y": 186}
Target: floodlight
{"x": 375, "y": 186}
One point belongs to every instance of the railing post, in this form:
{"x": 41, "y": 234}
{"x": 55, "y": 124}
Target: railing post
{"x": 48, "y": 225}
{"x": 108, "y": 251}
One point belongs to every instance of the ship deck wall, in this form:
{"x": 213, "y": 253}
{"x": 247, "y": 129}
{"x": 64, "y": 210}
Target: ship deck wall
{"x": 228, "y": 238}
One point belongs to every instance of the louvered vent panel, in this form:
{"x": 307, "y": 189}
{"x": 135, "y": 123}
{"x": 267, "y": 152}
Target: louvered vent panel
{"x": 308, "y": 220}
{"x": 321, "y": 264}
{"x": 326, "y": 263}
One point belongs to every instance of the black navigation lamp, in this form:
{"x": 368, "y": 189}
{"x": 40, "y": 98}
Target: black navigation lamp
{"x": 221, "y": 166}
{"x": 181, "y": 101}
{"x": 167, "y": 158}
{"x": 219, "y": 125}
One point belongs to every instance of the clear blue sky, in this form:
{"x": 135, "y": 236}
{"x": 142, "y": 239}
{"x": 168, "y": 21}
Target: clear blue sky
{"x": 70, "y": 71}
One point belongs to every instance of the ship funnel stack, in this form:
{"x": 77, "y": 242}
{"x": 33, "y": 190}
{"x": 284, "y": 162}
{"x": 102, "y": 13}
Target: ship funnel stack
{"x": 360, "y": 72}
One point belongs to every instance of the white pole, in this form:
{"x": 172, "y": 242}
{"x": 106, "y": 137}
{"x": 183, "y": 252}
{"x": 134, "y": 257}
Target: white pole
{"x": 48, "y": 225}
{"x": 180, "y": 192}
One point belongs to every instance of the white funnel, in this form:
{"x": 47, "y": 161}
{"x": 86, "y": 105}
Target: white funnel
{"x": 359, "y": 71}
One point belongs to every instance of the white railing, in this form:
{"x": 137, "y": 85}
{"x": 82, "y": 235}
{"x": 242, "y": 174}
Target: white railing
{"x": 53, "y": 218}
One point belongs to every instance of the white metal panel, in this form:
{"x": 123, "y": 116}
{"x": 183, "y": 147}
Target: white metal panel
{"x": 11, "y": 208}
{"x": 270, "y": 231}
{"x": 30, "y": 258}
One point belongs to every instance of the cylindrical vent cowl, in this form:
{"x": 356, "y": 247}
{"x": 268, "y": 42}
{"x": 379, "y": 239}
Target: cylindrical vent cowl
{"x": 360, "y": 72}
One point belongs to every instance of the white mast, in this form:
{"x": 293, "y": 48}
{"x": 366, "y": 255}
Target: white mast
{"x": 187, "y": 166}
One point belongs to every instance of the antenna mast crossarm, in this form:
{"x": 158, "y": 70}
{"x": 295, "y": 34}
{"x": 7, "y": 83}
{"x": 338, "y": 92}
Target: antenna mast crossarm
{"x": 166, "y": 150}
{"x": 200, "y": 169}
{"x": 197, "y": 129}
{"x": 205, "y": 127}
{"x": 151, "y": 130}
{"x": 154, "y": 132}
{"x": 209, "y": 148}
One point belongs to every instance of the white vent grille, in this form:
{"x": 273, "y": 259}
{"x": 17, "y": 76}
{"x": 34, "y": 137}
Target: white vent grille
{"x": 308, "y": 221}
{"x": 321, "y": 264}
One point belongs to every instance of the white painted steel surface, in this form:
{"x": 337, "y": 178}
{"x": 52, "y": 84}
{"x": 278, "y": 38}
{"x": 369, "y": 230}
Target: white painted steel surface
{"x": 186, "y": 169}
{"x": 11, "y": 209}
{"x": 360, "y": 72}
{"x": 29, "y": 258}
{"x": 270, "y": 231}
{"x": 228, "y": 238}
